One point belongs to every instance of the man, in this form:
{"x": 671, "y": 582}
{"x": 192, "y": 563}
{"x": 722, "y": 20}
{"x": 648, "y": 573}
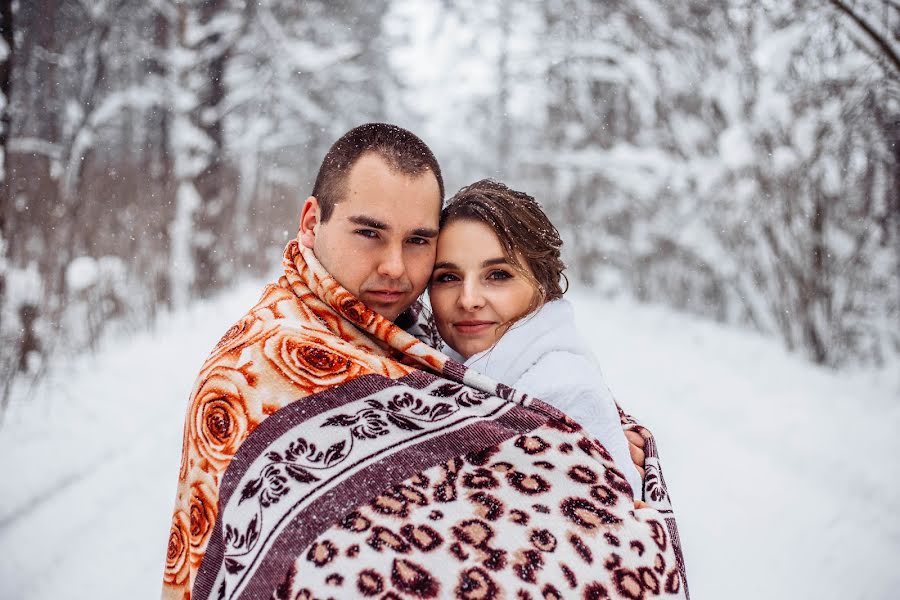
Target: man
{"x": 372, "y": 220}
{"x": 327, "y": 452}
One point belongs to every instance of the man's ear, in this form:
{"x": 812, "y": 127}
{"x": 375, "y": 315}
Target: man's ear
{"x": 309, "y": 221}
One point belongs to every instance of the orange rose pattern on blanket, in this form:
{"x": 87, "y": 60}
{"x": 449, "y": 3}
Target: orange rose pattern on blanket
{"x": 250, "y": 450}
{"x": 290, "y": 345}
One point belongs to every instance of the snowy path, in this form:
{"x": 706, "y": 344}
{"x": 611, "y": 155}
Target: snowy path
{"x": 94, "y": 462}
{"x": 779, "y": 470}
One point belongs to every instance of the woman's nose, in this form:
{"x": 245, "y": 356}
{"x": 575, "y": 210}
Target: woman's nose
{"x": 471, "y": 297}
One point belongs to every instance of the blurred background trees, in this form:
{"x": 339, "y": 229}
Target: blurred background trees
{"x": 734, "y": 159}
{"x": 740, "y": 160}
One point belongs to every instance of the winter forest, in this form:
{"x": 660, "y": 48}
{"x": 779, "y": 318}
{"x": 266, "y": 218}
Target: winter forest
{"x": 725, "y": 176}
{"x": 734, "y": 159}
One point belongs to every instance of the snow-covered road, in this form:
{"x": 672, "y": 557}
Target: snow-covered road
{"x": 780, "y": 471}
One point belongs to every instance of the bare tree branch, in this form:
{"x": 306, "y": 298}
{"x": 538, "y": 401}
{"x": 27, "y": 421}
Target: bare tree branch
{"x": 876, "y": 37}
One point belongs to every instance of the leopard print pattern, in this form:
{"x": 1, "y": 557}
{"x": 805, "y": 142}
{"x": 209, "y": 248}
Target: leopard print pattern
{"x": 479, "y": 527}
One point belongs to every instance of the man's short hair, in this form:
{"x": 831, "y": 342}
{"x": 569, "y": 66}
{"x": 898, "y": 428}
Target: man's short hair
{"x": 402, "y": 150}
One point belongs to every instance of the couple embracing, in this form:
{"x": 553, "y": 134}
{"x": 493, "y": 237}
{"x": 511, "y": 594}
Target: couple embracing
{"x": 342, "y": 443}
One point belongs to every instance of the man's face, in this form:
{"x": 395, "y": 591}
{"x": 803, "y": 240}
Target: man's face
{"x": 380, "y": 240}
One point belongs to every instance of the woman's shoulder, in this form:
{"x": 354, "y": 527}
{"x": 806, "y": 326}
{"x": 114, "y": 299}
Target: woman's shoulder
{"x": 563, "y": 372}
{"x": 560, "y": 332}
{"x": 552, "y": 326}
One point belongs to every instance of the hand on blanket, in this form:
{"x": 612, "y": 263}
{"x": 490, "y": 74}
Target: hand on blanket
{"x": 636, "y": 446}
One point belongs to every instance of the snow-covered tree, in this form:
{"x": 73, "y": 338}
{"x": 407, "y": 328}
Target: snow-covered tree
{"x": 176, "y": 137}
{"x": 732, "y": 159}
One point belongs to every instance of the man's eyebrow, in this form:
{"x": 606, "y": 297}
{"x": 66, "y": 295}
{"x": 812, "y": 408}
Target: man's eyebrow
{"x": 425, "y": 232}
{"x": 368, "y": 222}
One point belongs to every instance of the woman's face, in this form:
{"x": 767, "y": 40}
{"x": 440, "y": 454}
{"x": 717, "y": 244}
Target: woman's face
{"x": 475, "y": 292}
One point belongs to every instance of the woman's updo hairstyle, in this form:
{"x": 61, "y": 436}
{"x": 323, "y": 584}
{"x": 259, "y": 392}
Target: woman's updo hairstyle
{"x": 522, "y": 228}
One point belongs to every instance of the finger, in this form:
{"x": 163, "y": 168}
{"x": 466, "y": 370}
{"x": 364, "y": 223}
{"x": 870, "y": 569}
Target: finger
{"x": 637, "y": 455}
{"x": 635, "y": 438}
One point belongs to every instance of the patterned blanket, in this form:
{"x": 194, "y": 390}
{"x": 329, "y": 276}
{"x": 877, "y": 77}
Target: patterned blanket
{"x": 329, "y": 453}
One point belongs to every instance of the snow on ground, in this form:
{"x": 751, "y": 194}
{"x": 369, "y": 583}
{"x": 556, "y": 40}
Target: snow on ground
{"x": 91, "y": 463}
{"x": 779, "y": 470}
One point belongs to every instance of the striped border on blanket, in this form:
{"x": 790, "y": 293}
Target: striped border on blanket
{"x": 367, "y": 462}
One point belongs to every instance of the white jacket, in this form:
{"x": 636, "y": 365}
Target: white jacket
{"x": 543, "y": 356}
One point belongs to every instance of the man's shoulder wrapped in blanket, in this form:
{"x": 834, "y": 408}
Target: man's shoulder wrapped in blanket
{"x": 329, "y": 453}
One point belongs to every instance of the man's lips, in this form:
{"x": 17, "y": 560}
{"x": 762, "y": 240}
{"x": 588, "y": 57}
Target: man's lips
{"x": 386, "y": 296}
{"x": 472, "y": 326}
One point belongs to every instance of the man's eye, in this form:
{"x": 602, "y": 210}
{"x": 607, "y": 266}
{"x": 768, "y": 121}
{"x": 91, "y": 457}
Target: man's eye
{"x": 500, "y": 274}
{"x": 418, "y": 241}
{"x": 368, "y": 233}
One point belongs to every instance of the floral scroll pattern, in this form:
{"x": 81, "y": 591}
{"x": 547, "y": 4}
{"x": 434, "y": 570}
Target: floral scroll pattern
{"x": 292, "y": 465}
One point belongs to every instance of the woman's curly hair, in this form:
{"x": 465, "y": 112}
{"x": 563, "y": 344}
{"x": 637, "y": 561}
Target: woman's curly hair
{"x": 523, "y": 229}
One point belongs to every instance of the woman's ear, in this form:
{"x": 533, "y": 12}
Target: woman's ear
{"x": 309, "y": 222}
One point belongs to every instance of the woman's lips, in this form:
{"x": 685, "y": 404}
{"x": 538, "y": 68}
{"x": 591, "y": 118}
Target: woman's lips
{"x": 472, "y": 327}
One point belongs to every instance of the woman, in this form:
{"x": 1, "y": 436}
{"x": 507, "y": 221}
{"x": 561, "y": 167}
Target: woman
{"x": 497, "y": 301}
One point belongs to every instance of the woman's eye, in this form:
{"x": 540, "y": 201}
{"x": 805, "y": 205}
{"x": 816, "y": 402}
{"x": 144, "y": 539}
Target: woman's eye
{"x": 444, "y": 277}
{"x": 499, "y": 274}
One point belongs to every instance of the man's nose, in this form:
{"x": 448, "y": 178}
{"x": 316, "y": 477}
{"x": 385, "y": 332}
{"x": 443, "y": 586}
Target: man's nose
{"x": 471, "y": 296}
{"x": 391, "y": 264}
